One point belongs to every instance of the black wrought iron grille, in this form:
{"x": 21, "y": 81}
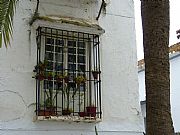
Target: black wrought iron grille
{"x": 68, "y": 80}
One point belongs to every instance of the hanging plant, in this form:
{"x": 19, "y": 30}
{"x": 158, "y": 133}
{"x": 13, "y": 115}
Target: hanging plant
{"x": 41, "y": 66}
{"x": 40, "y": 76}
{"x": 50, "y": 75}
{"x": 80, "y": 79}
{"x": 59, "y": 78}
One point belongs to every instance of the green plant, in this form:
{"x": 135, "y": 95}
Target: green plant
{"x": 51, "y": 96}
{"x": 59, "y": 77}
{"x": 6, "y": 20}
{"x": 80, "y": 79}
{"x": 67, "y": 92}
{"x": 40, "y": 76}
{"x": 39, "y": 69}
{"x": 41, "y": 66}
{"x": 50, "y": 75}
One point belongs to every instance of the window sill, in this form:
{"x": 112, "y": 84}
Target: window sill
{"x": 68, "y": 119}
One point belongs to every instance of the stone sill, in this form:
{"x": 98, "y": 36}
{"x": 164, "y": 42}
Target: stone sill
{"x": 68, "y": 119}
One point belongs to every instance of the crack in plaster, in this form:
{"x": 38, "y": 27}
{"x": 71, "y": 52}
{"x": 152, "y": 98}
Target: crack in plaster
{"x": 124, "y": 16}
{"x": 32, "y": 104}
{"x": 1, "y": 81}
{"x": 22, "y": 99}
{"x": 131, "y": 4}
{"x": 50, "y": 3}
{"x": 138, "y": 113}
{"x": 17, "y": 93}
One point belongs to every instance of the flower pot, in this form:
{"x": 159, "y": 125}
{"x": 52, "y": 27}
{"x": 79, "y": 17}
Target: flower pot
{"x": 91, "y": 111}
{"x": 95, "y": 74}
{"x": 82, "y": 114}
{"x": 47, "y": 112}
{"x": 66, "y": 112}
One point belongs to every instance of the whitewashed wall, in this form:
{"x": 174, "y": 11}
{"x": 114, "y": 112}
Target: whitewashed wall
{"x": 175, "y": 89}
{"x": 120, "y": 99}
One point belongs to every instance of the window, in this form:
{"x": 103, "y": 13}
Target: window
{"x": 68, "y": 74}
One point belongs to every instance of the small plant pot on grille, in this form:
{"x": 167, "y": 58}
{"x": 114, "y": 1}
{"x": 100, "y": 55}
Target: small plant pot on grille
{"x": 91, "y": 111}
{"x": 95, "y": 74}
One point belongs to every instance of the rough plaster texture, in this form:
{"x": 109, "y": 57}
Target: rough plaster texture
{"x": 174, "y": 87}
{"x": 120, "y": 99}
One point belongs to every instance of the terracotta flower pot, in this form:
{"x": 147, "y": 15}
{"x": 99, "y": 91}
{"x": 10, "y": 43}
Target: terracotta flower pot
{"x": 91, "y": 111}
{"x": 47, "y": 112}
{"x": 95, "y": 74}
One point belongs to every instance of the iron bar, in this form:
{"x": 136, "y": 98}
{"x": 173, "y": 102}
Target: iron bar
{"x": 74, "y": 54}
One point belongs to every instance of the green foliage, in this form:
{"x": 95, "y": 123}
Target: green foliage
{"x": 7, "y": 8}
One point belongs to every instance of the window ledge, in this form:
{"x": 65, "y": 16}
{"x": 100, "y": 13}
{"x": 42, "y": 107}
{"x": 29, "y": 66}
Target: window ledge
{"x": 68, "y": 119}
{"x": 66, "y": 23}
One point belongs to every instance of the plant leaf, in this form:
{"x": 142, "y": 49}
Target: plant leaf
{"x": 7, "y": 8}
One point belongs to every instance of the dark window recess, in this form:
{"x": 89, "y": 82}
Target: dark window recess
{"x": 67, "y": 74}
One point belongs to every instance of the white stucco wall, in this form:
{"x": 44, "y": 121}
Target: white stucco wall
{"x": 175, "y": 93}
{"x": 175, "y": 86}
{"x": 142, "y": 92}
{"x": 120, "y": 99}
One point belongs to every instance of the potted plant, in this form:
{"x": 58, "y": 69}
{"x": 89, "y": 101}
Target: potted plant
{"x": 82, "y": 113}
{"x": 68, "y": 94}
{"x": 95, "y": 73}
{"x": 80, "y": 79}
{"x": 59, "y": 77}
{"x": 50, "y": 75}
{"x": 40, "y": 70}
{"x": 66, "y": 111}
{"x": 91, "y": 110}
{"x": 41, "y": 66}
{"x": 40, "y": 76}
{"x": 48, "y": 108}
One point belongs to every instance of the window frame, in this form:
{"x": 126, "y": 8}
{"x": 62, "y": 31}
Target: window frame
{"x": 88, "y": 61}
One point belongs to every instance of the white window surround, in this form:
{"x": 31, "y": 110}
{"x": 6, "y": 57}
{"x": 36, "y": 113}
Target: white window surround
{"x": 94, "y": 29}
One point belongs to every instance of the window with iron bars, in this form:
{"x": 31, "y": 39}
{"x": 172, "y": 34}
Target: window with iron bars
{"x": 68, "y": 80}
